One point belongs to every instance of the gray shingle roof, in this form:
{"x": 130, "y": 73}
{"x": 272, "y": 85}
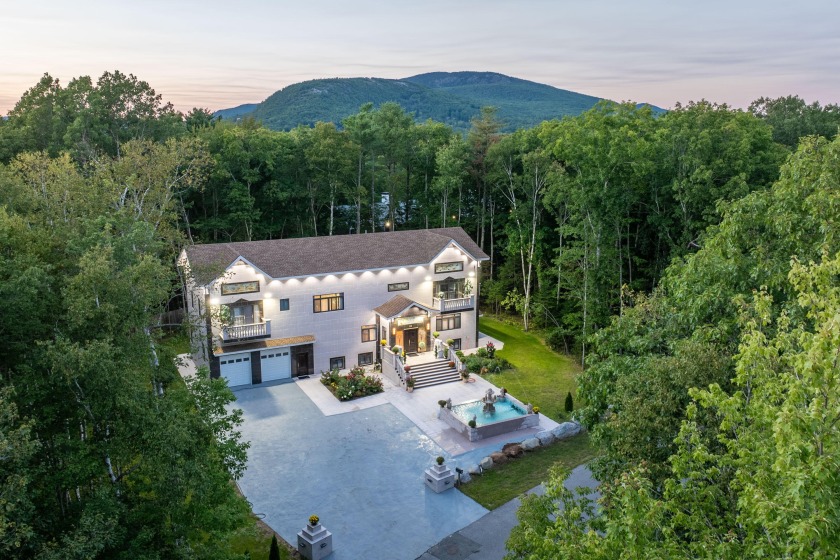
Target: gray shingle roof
{"x": 307, "y": 256}
{"x": 396, "y": 305}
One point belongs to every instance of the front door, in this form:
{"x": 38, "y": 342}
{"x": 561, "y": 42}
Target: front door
{"x": 303, "y": 363}
{"x": 410, "y": 340}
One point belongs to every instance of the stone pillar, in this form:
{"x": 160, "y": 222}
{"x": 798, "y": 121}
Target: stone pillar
{"x": 439, "y": 478}
{"x": 314, "y": 542}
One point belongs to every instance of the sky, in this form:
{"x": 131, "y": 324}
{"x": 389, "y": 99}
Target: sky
{"x": 217, "y": 54}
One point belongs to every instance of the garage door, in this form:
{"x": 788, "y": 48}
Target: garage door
{"x": 276, "y": 364}
{"x": 236, "y": 369}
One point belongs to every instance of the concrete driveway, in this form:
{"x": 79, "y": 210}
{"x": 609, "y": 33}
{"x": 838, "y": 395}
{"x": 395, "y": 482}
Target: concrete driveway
{"x": 360, "y": 472}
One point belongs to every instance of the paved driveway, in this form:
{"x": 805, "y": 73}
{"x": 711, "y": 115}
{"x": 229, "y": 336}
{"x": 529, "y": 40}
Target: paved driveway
{"x": 360, "y": 472}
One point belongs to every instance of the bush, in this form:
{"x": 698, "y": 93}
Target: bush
{"x": 460, "y": 355}
{"x": 476, "y": 364}
{"x": 482, "y": 353}
{"x": 570, "y": 403}
{"x": 557, "y": 340}
{"x": 351, "y": 386}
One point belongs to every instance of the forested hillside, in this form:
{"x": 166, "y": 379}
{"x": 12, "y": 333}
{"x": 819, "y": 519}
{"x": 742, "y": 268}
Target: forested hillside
{"x": 667, "y": 252}
{"x": 452, "y": 98}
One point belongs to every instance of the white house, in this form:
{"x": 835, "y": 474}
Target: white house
{"x": 281, "y": 308}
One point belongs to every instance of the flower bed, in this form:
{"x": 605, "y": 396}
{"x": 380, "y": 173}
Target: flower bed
{"x": 351, "y": 386}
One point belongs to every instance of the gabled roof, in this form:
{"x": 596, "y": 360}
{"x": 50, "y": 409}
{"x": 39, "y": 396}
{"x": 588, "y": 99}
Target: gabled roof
{"x": 397, "y": 305}
{"x": 336, "y": 254}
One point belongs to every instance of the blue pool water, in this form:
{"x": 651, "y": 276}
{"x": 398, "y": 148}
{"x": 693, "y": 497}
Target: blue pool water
{"x": 505, "y": 410}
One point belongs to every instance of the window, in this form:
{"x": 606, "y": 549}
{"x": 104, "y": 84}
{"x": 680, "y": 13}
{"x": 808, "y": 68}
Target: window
{"x": 451, "y": 288}
{"x": 284, "y": 304}
{"x": 240, "y": 288}
{"x": 244, "y": 314}
{"x": 397, "y": 287}
{"x": 337, "y": 363}
{"x": 449, "y": 267}
{"x": 368, "y": 333}
{"x": 366, "y": 359}
{"x": 327, "y": 302}
{"x": 449, "y": 322}
{"x": 456, "y": 344}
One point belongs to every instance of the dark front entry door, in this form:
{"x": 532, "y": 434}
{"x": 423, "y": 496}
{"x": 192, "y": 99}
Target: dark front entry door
{"x": 303, "y": 363}
{"x": 410, "y": 339}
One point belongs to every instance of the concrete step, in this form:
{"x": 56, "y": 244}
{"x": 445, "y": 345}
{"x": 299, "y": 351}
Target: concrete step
{"x": 433, "y": 373}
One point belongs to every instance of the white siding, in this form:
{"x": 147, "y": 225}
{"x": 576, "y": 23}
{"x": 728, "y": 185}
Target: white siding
{"x": 338, "y": 333}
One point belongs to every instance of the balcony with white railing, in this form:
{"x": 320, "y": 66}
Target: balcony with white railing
{"x": 454, "y": 304}
{"x": 238, "y": 333}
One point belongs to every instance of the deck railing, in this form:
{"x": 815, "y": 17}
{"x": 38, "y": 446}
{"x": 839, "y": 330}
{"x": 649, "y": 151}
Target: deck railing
{"x": 231, "y": 333}
{"x": 445, "y": 305}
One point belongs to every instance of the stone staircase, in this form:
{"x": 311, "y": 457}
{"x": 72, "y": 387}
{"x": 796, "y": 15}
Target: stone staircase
{"x": 433, "y": 373}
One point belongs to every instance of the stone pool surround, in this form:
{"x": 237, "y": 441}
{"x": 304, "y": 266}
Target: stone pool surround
{"x": 489, "y": 430}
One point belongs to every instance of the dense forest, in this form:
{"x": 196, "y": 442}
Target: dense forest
{"x": 694, "y": 249}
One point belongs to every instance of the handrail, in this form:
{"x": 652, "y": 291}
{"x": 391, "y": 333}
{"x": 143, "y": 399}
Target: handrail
{"x": 252, "y": 330}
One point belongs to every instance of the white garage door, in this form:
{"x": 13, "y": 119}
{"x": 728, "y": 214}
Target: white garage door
{"x": 276, "y": 364}
{"x": 236, "y": 369}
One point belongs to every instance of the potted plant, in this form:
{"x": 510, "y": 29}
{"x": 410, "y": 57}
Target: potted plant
{"x": 407, "y": 369}
{"x": 383, "y": 342}
{"x": 450, "y": 341}
{"x": 421, "y": 346}
{"x": 471, "y": 423}
{"x": 409, "y": 384}
{"x": 313, "y": 520}
{"x": 451, "y": 364}
{"x": 465, "y": 376}
{"x": 439, "y": 460}
{"x": 435, "y": 334}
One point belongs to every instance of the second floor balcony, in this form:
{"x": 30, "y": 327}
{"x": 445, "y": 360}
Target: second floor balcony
{"x": 239, "y": 333}
{"x": 445, "y": 304}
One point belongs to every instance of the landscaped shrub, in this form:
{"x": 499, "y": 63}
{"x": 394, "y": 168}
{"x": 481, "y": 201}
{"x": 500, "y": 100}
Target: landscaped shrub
{"x": 460, "y": 355}
{"x": 476, "y": 364}
{"x": 482, "y": 353}
{"x": 570, "y": 403}
{"x": 558, "y": 340}
{"x": 351, "y": 386}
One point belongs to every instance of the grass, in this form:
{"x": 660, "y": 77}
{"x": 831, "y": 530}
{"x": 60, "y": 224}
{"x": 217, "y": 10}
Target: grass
{"x": 542, "y": 376}
{"x": 177, "y": 342}
{"x": 257, "y": 543}
{"x": 502, "y": 483}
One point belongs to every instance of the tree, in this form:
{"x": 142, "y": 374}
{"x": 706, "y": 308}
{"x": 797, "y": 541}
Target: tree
{"x": 274, "y": 551}
{"x": 684, "y": 334}
{"x": 768, "y": 491}
{"x": 570, "y": 403}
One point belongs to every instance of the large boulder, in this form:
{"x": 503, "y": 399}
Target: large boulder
{"x": 530, "y": 444}
{"x": 513, "y": 450}
{"x": 465, "y": 477}
{"x": 486, "y": 463}
{"x": 499, "y": 458}
{"x": 545, "y": 437}
{"x": 566, "y": 430}
{"x": 474, "y": 469}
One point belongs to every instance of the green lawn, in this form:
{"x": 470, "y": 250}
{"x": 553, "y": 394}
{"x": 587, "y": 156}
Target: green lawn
{"x": 542, "y": 376}
{"x": 502, "y": 483}
{"x": 257, "y": 542}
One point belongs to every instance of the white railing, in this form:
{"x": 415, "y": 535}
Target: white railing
{"x": 392, "y": 367}
{"x": 442, "y": 350}
{"x": 444, "y": 305}
{"x": 240, "y": 332}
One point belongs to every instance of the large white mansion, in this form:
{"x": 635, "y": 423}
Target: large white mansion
{"x": 276, "y": 309}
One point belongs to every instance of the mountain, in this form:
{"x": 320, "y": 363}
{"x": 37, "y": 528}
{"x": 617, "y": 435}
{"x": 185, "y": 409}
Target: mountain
{"x": 236, "y": 112}
{"x": 449, "y": 97}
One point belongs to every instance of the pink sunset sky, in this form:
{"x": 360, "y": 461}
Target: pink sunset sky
{"x": 218, "y": 54}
